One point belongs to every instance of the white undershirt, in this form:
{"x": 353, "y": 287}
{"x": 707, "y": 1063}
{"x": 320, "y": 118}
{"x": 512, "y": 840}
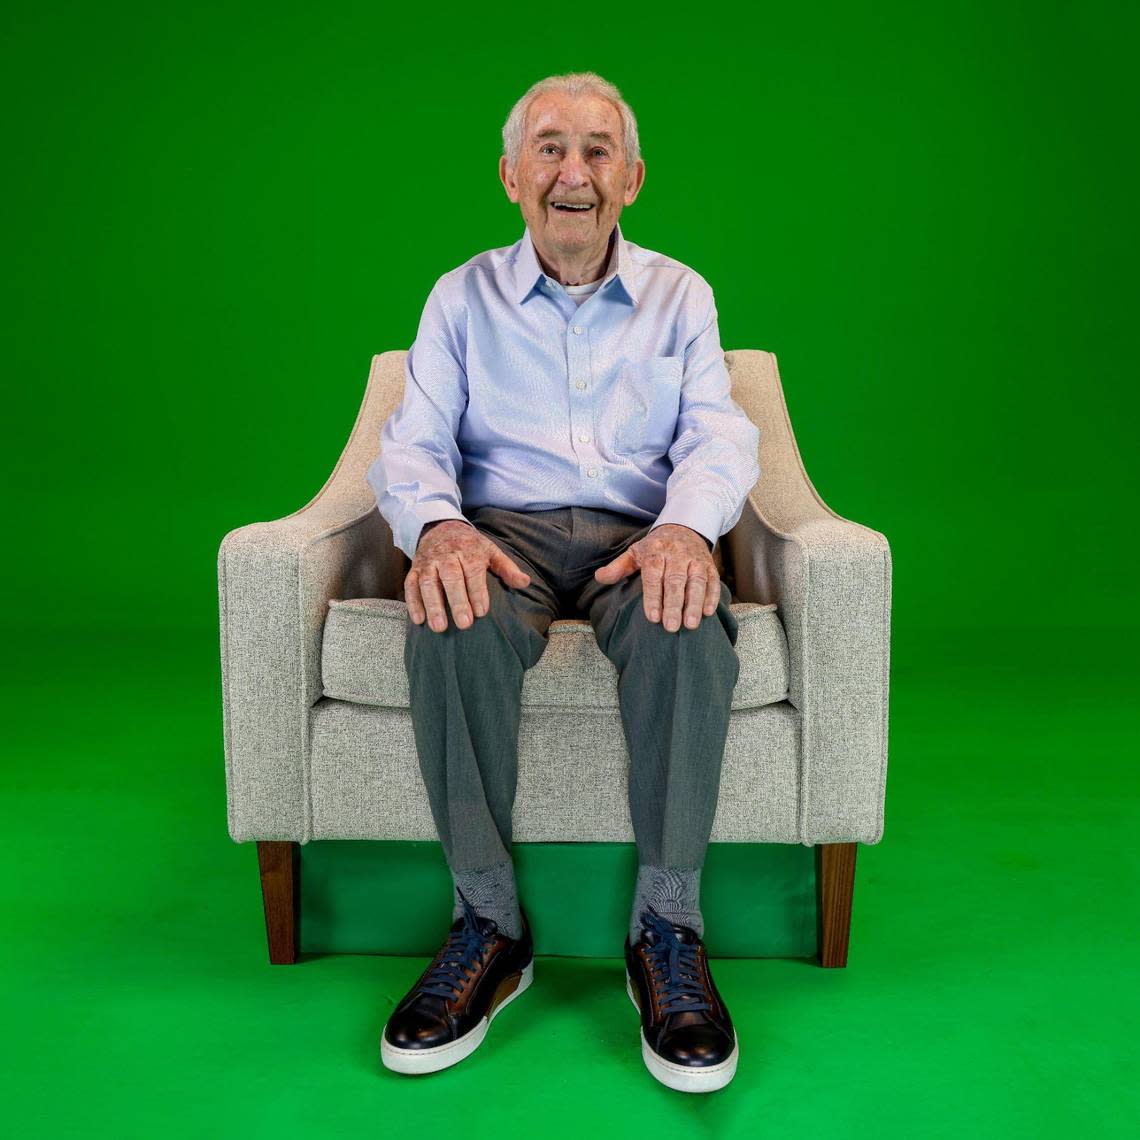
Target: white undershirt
{"x": 581, "y": 292}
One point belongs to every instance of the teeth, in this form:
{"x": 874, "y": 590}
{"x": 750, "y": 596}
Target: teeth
{"x": 574, "y": 206}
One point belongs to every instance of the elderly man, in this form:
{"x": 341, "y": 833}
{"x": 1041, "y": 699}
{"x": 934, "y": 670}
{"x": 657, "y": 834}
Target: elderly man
{"x": 567, "y": 425}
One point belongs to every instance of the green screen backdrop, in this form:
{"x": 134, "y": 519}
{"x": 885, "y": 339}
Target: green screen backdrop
{"x": 218, "y": 213}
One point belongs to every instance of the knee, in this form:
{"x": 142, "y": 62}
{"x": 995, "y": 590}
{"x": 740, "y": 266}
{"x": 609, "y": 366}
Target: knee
{"x": 707, "y": 627}
{"x": 711, "y": 637}
{"x": 423, "y": 633}
{"x": 498, "y": 632}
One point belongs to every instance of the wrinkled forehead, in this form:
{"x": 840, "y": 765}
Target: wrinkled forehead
{"x": 594, "y": 119}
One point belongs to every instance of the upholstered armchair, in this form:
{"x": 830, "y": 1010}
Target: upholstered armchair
{"x": 316, "y": 719}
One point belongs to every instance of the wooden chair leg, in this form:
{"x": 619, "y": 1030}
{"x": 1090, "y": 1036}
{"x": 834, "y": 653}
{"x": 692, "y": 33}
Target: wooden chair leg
{"x": 834, "y": 887}
{"x": 280, "y": 865}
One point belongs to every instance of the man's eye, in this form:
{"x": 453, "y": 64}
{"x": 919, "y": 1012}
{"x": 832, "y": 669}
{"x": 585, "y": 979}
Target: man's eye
{"x": 551, "y": 146}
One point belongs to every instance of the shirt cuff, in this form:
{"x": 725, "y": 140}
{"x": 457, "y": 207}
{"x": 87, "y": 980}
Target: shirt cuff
{"x": 704, "y": 521}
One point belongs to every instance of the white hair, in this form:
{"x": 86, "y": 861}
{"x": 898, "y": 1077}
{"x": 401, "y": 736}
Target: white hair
{"x": 574, "y": 84}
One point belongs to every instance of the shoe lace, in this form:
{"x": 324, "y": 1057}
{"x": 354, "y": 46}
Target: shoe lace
{"x": 676, "y": 974}
{"x": 464, "y": 950}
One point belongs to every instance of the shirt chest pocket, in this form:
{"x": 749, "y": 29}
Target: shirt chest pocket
{"x": 646, "y": 402}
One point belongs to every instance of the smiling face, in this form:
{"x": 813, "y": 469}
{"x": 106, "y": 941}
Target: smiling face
{"x": 573, "y": 153}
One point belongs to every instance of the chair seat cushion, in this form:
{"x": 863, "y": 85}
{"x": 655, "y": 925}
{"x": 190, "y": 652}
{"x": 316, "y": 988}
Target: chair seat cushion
{"x": 362, "y": 659}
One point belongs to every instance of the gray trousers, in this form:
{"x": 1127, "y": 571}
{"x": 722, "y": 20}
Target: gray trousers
{"x": 674, "y": 691}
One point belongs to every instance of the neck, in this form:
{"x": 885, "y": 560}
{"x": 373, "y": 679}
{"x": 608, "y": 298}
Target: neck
{"x": 582, "y": 270}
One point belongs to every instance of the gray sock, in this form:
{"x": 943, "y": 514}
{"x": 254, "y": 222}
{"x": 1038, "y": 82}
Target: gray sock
{"x": 493, "y": 894}
{"x": 675, "y": 894}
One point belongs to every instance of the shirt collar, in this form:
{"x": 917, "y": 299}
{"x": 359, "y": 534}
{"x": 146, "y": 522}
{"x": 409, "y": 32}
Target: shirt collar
{"x": 528, "y": 272}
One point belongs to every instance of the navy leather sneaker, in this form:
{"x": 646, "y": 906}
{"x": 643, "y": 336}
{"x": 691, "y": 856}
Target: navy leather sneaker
{"x": 687, "y": 1038}
{"x": 445, "y": 1015}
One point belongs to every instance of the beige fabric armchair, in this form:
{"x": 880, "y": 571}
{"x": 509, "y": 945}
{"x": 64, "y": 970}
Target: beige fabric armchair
{"x": 316, "y": 718}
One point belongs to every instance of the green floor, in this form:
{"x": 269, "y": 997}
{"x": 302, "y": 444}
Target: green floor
{"x": 990, "y": 991}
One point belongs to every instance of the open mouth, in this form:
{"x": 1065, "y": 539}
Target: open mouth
{"x": 569, "y": 208}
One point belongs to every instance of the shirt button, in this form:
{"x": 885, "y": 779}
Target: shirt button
{"x": 583, "y": 439}
{"x": 580, "y": 384}
{"x": 577, "y": 329}
{"x": 592, "y": 472}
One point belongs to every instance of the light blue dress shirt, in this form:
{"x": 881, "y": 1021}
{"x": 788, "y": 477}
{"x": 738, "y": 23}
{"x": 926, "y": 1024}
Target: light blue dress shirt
{"x": 519, "y": 396}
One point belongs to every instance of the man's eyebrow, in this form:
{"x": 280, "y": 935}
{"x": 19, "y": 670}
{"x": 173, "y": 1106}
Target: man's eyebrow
{"x": 551, "y": 132}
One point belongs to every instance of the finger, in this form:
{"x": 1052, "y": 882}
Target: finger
{"x": 712, "y": 593}
{"x": 505, "y": 569}
{"x": 675, "y": 578}
{"x": 477, "y": 590}
{"x": 651, "y": 587}
{"x": 454, "y": 579}
{"x": 508, "y": 570}
{"x": 621, "y": 566}
{"x": 695, "y": 592}
{"x": 412, "y": 597}
{"x": 432, "y": 593}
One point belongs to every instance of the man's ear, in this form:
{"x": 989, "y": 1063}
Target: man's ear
{"x": 634, "y": 182}
{"x": 507, "y": 177}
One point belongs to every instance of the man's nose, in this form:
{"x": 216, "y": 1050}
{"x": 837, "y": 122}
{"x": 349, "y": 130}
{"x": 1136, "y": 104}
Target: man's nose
{"x": 571, "y": 171}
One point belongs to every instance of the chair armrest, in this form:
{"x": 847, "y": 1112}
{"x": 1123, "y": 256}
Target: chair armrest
{"x": 275, "y": 580}
{"x": 831, "y": 580}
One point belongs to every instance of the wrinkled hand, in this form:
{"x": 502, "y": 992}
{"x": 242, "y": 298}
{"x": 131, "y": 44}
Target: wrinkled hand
{"x": 676, "y": 560}
{"x": 453, "y": 558}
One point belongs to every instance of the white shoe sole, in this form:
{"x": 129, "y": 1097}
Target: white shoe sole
{"x": 443, "y": 1056}
{"x": 685, "y": 1078}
